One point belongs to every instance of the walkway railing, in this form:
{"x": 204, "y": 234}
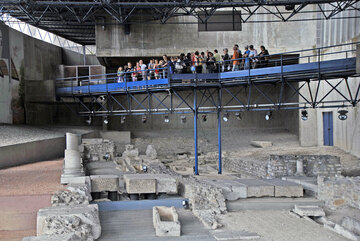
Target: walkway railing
{"x": 246, "y": 68}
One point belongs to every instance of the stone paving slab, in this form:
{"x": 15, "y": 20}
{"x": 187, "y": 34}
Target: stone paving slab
{"x": 315, "y": 211}
{"x": 286, "y": 189}
{"x": 257, "y": 188}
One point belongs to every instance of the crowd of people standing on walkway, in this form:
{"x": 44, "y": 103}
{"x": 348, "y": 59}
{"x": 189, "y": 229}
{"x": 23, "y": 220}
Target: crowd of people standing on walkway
{"x": 196, "y": 62}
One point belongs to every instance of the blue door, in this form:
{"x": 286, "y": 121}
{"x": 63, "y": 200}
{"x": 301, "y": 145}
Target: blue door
{"x": 328, "y": 128}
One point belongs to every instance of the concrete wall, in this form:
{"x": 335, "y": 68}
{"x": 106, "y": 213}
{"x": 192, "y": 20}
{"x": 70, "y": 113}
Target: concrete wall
{"x": 173, "y": 39}
{"x": 346, "y": 133}
{"x": 32, "y": 86}
{"x": 29, "y": 152}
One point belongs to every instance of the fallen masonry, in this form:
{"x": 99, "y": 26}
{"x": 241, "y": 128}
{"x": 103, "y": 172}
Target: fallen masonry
{"x": 309, "y": 211}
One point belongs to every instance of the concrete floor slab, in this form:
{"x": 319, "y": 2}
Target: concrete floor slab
{"x": 137, "y": 225}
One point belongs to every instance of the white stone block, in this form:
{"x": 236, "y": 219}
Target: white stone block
{"x": 86, "y": 214}
{"x": 261, "y": 144}
{"x": 101, "y": 183}
{"x": 140, "y": 183}
{"x": 54, "y": 237}
{"x": 313, "y": 211}
{"x": 166, "y": 221}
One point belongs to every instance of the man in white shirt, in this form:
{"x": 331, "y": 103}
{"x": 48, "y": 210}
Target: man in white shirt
{"x": 252, "y": 55}
{"x": 143, "y": 69}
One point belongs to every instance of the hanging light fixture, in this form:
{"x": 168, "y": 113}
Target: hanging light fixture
{"x": 342, "y": 114}
{"x": 204, "y": 118}
{"x": 226, "y": 117}
{"x": 304, "y": 115}
{"x": 89, "y": 120}
{"x": 268, "y": 115}
{"x": 183, "y": 119}
{"x": 122, "y": 119}
{"x": 106, "y": 121}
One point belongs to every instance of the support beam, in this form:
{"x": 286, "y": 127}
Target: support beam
{"x": 196, "y": 170}
{"x": 219, "y": 131}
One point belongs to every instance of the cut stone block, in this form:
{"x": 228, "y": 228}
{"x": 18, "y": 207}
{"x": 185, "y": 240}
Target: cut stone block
{"x": 83, "y": 189}
{"x": 166, "y": 221}
{"x": 313, "y": 211}
{"x": 233, "y": 235}
{"x": 55, "y": 237}
{"x": 286, "y": 189}
{"x": 166, "y": 184}
{"x": 261, "y": 144}
{"x": 101, "y": 183}
{"x": 68, "y": 198}
{"x": 92, "y": 141}
{"x": 257, "y": 188}
{"x": 139, "y": 183}
{"x": 78, "y": 218}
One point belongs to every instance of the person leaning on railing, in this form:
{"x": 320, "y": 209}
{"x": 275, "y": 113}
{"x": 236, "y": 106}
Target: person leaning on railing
{"x": 235, "y": 59}
{"x": 226, "y": 60}
{"x": 120, "y": 74}
{"x": 263, "y": 57}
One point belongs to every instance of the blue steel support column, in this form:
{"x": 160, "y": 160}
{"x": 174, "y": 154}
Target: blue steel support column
{"x": 196, "y": 171}
{"x": 219, "y": 131}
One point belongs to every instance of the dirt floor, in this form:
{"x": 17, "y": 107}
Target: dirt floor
{"x": 23, "y": 191}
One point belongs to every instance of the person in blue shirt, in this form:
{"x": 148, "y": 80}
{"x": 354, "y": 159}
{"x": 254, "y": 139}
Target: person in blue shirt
{"x": 246, "y": 62}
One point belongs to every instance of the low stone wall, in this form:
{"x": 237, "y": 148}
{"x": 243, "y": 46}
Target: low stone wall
{"x": 314, "y": 165}
{"x": 97, "y": 149}
{"x": 256, "y": 168}
{"x": 339, "y": 191}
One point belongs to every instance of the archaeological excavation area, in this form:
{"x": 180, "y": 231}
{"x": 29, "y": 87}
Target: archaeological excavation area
{"x": 179, "y": 120}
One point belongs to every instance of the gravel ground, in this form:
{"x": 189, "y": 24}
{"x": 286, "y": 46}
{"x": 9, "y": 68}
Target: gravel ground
{"x": 277, "y": 226}
{"x": 14, "y": 134}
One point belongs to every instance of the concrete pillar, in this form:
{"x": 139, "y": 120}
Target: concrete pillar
{"x": 72, "y": 141}
{"x": 299, "y": 168}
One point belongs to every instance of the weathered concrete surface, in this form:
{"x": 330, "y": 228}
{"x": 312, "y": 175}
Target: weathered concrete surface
{"x": 139, "y": 183}
{"x": 346, "y": 233}
{"x": 233, "y": 235}
{"x": 257, "y": 188}
{"x": 166, "y": 221}
{"x": 261, "y": 144}
{"x": 101, "y": 183}
{"x": 351, "y": 224}
{"x": 50, "y": 220}
{"x": 119, "y": 137}
{"x": 313, "y": 211}
{"x": 54, "y": 237}
{"x": 286, "y": 189}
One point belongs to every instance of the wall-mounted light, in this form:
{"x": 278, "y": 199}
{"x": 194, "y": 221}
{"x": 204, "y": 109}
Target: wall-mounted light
{"x": 238, "y": 116}
{"x": 122, "y": 119}
{"x": 144, "y": 119}
{"x": 166, "y": 119}
{"x": 106, "y": 121}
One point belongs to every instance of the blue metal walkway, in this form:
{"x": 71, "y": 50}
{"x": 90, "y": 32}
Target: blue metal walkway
{"x": 299, "y": 72}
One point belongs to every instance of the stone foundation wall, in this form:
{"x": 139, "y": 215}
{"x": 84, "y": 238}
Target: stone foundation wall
{"x": 314, "y": 165}
{"x": 256, "y": 168}
{"x": 339, "y": 191}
